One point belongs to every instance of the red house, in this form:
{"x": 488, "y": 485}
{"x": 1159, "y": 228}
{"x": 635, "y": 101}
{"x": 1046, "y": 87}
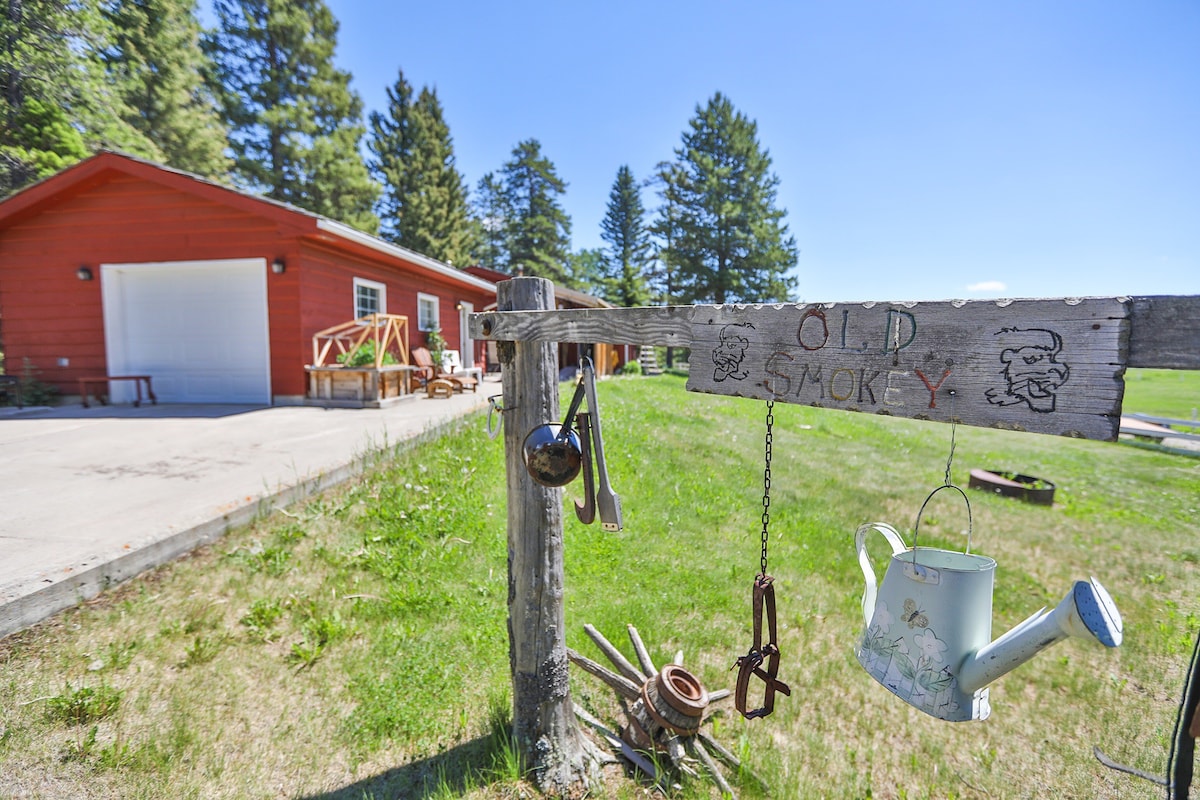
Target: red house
{"x": 117, "y": 265}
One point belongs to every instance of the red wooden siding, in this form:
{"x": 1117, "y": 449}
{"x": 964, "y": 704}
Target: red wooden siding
{"x": 47, "y": 313}
{"x": 327, "y": 293}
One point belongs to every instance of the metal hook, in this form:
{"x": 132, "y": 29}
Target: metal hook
{"x": 494, "y": 409}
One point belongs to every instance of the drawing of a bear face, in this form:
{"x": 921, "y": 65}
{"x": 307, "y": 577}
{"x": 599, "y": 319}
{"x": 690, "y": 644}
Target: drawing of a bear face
{"x": 1032, "y": 371}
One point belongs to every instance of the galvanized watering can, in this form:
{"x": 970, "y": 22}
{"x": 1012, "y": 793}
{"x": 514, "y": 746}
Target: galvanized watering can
{"x": 927, "y": 630}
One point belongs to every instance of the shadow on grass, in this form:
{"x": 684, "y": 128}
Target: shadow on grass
{"x": 448, "y": 774}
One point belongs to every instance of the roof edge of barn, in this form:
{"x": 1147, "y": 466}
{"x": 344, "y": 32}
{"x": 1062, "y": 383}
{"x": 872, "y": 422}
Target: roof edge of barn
{"x": 31, "y": 199}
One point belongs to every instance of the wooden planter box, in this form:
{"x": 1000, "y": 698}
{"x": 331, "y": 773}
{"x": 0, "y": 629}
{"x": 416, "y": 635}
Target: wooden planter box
{"x": 358, "y": 387}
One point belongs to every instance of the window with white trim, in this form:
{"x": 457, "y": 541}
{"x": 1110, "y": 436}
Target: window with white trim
{"x": 369, "y": 298}
{"x": 427, "y": 312}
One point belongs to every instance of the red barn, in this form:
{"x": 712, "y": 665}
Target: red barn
{"x": 117, "y": 265}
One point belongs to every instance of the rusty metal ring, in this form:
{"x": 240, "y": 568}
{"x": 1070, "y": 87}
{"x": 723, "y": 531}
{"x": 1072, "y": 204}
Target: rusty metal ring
{"x": 657, "y": 716}
{"x": 680, "y": 689}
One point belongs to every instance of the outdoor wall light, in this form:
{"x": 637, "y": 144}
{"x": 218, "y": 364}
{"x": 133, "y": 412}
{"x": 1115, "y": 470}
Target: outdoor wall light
{"x": 278, "y": 266}
{"x": 458, "y": 306}
{"x": 84, "y": 273}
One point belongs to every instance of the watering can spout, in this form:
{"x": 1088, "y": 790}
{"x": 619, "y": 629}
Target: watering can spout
{"x": 1087, "y": 611}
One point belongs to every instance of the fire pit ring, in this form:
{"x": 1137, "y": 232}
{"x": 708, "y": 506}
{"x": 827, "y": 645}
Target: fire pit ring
{"x": 1012, "y": 484}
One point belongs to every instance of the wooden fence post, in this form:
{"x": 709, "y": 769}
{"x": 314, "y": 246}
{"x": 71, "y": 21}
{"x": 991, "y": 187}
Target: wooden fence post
{"x": 544, "y": 729}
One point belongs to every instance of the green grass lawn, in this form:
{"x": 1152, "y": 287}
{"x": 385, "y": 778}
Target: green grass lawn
{"x": 355, "y": 645}
{"x": 1163, "y": 393}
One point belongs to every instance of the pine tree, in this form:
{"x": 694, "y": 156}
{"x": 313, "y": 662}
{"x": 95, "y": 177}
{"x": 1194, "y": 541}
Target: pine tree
{"x": 586, "y": 271}
{"x": 154, "y": 61}
{"x": 442, "y": 212}
{"x": 628, "y": 252}
{"x": 35, "y": 59}
{"x": 665, "y": 230}
{"x": 538, "y": 230}
{"x": 663, "y": 280}
{"x": 391, "y": 145}
{"x": 732, "y": 245}
{"x": 424, "y": 207}
{"x": 54, "y": 106}
{"x": 294, "y": 123}
{"x": 38, "y": 142}
{"x": 491, "y": 215}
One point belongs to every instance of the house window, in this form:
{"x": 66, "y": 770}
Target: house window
{"x": 427, "y": 312}
{"x": 369, "y": 298}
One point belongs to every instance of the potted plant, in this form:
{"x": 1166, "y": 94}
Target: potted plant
{"x": 437, "y": 345}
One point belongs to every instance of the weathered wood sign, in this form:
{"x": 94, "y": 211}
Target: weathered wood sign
{"x": 1048, "y": 366}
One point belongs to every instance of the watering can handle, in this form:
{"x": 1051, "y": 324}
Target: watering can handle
{"x": 864, "y": 561}
{"x": 970, "y": 519}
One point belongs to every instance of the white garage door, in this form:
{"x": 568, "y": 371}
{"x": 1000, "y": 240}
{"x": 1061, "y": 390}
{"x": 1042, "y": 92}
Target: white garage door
{"x": 197, "y": 328}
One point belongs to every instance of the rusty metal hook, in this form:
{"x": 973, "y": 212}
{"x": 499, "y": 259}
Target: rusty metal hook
{"x": 751, "y": 663}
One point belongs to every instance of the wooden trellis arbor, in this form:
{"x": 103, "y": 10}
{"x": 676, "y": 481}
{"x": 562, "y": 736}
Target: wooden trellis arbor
{"x": 1051, "y": 366}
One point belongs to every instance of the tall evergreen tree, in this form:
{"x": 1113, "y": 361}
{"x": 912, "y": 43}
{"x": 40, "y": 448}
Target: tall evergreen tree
{"x": 424, "y": 206}
{"x": 440, "y": 213}
{"x": 733, "y": 245}
{"x": 491, "y": 215}
{"x": 538, "y": 230}
{"x": 154, "y": 61}
{"x": 294, "y": 122}
{"x": 665, "y": 230}
{"x": 391, "y": 146}
{"x": 54, "y": 105}
{"x": 628, "y": 252}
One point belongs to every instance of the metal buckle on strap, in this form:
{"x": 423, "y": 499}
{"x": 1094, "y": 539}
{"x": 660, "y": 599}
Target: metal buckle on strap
{"x": 751, "y": 663}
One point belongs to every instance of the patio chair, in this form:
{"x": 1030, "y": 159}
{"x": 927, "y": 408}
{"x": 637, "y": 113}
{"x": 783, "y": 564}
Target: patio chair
{"x": 438, "y": 382}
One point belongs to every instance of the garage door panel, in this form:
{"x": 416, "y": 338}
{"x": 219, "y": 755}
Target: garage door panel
{"x": 199, "y": 329}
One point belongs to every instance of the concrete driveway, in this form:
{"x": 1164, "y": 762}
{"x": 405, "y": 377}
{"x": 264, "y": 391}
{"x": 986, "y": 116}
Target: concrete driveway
{"x": 92, "y": 496}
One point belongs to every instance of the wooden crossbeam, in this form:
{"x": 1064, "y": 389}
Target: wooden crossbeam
{"x": 1044, "y": 365}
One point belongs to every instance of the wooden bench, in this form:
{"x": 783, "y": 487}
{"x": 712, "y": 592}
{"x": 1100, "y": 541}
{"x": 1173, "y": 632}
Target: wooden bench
{"x": 1145, "y": 426}
{"x": 88, "y": 386}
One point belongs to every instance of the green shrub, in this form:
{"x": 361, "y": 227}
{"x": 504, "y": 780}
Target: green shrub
{"x": 33, "y": 391}
{"x": 631, "y": 368}
{"x": 437, "y": 344}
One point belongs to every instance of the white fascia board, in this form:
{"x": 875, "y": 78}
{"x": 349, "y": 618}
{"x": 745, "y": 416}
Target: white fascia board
{"x": 396, "y": 251}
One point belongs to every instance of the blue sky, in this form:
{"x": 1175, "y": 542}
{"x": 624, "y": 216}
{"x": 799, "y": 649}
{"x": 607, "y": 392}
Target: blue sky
{"x": 926, "y": 149}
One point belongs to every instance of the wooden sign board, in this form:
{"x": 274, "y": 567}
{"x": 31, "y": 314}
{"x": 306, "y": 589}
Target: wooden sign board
{"x": 1045, "y": 366}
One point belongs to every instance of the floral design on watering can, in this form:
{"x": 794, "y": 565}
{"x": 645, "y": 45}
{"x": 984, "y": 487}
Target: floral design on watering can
{"x": 928, "y": 627}
{"x": 912, "y": 662}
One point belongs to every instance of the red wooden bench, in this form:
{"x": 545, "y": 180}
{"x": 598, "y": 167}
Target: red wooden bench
{"x": 88, "y": 386}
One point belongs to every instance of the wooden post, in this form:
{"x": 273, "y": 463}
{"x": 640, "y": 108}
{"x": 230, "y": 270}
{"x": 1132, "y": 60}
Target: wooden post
{"x": 544, "y": 729}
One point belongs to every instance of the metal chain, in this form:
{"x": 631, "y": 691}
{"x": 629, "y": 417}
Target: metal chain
{"x": 766, "y": 514}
